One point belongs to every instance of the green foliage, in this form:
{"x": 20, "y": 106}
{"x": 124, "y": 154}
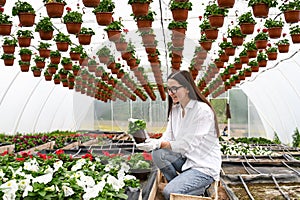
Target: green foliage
{"x": 205, "y": 25}
{"x": 35, "y": 68}
{"x": 269, "y": 23}
{"x": 105, "y": 6}
{"x": 55, "y": 53}
{"x": 276, "y": 139}
{"x": 225, "y": 44}
{"x": 60, "y": 37}
{"x": 92, "y": 62}
{"x": 25, "y": 51}
{"x": 57, "y": 1}
{"x": 65, "y": 61}
{"x": 290, "y": 5}
{"x": 75, "y": 67}
{"x": 261, "y": 36}
{"x": 203, "y": 38}
{"x": 44, "y": 45}
{"x": 4, "y": 19}
{"x": 7, "y": 56}
{"x": 39, "y": 59}
{"x": 21, "y": 6}
{"x": 51, "y": 65}
{"x": 44, "y": 24}
{"x": 73, "y": 17}
{"x": 253, "y": 63}
{"x": 246, "y": 18}
{"x": 214, "y": 9}
{"x": 104, "y": 51}
{"x": 270, "y": 3}
{"x": 181, "y": 5}
{"x": 283, "y": 41}
{"x": 236, "y": 31}
{"x": 262, "y": 56}
{"x": 177, "y": 24}
{"x": 11, "y": 41}
{"x": 88, "y": 31}
{"x": 23, "y": 63}
{"x": 250, "y": 46}
{"x": 295, "y": 30}
{"x": 25, "y": 33}
{"x": 149, "y": 16}
{"x": 77, "y": 49}
{"x": 115, "y": 25}
{"x": 243, "y": 52}
{"x": 296, "y": 138}
{"x": 271, "y": 49}
{"x": 252, "y": 140}
{"x": 136, "y": 125}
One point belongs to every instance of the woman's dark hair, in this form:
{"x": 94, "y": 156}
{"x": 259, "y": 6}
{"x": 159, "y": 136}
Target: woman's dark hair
{"x": 185, "y": 79}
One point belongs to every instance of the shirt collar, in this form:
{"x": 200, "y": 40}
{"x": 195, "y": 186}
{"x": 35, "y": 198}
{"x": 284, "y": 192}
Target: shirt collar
{"x": 191, "y": 103}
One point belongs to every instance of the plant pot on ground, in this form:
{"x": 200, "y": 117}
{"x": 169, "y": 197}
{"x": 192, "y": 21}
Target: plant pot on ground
{"x": 104, "y": 12}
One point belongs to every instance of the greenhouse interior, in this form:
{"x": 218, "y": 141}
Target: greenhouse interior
{"x": 79, "y": 79}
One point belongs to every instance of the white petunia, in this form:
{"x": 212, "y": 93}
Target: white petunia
{"x": 68, "y": 191}
{"x": 57, "y": 165}
{"x": 88, "y": 181}
{"x": 94, "y": 191}
{"x": 31, "y": 165}
{"x": 51, "y": 189}
{"x": 9, "y": 189}
{"x": 29, "y": 188}
{"x": 46, "y": 178}
{"x": 49, "y": 170}
{"x": 121, "y": 175}
{"x": 2, "y": 174}
{"x": 23, "y": 184}
{"x": 116, "y": 184}
{"x": 78, "y": 164}
{"x": 125, "y": 167}
{"x": 129, "y": 177}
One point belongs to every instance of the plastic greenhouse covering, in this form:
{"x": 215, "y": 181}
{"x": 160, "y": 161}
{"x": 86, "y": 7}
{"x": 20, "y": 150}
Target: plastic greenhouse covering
{"x": 268, "y": 102}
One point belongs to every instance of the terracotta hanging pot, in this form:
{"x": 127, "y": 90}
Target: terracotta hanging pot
{"x": 40, "y": 64}
{"x": 216, "y": 20}
{"x": 46, "y": 35}
{"x": 104, "y": 18}
{"x": 262, "y": 63}
{"x": 148, "y": 39}
{"x": 232, "y": 70}
{"x": 251, "y": 53}
{"x": 26, "y": 19}
{"x": 176, "y": 66}
{"x": 219, "y": 64}
{"x": 2, "y": 2}
{"x": 92, "y": 68}
{"x": 62, "y": 46}
{"x": 211, "y": 34}
{"x": 178, "y": 32}
{"x": 244, "y": 59}
{"x": 24, "y": 41}
{"x": 201, "y": 54}
{"x": 84, "y": 39}
{"x": 55, "y": 9}
{"x": 247, "y": 28}
{"x": 254, "y": 68}
{"x": 178, "y": 42}
{"x": 283, "y": 48}
{"x": 144, "y": 25}
{"x": 274, "y": 32}
{"x": 237, "y": 40}
{"x": 230, "y": 51}
{"x": 248, "y": 73}
{"x": 37, "y": 73}
{"x": 260, "y": 10}
{"x": 238, "y": 65}
{"x": 8, "y": 62}
{"x": 292, "y": 16}
{"x": 226, "y": 3}
{"x": 74, "y": 56}
{"x": 180, "y": 14}
{"x": 272, "y": 55}
{"x": 242, "y": 77}
{"x": 224, "y": 57}
{"x": 55, "y": 60}
{"x": 206, "y": 45}
{"x": 45, "y": 53}
{"x": 24, "y": 68}
{"x": 25, "y": 57}
{"x": 121, "y": 46}
{"x": 261, "y": 44}
{"x": 8, "y": 49}
{"x": 126, "y": 55}
{"x": 73, "y": 28}
{"x": 140, "y": 9}
{"x": 68, "y": 66}
{"x": 114, "y": 35}
{"x": 5, "y": 29}
{"x": 51, "y": 70}
{"x": 103, "y": 59}
{"x": 296, "y": 38}
{"x": 91, "y": 3}
{"x": 150, "y": 49}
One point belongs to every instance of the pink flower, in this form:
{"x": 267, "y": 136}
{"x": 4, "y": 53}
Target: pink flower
{"x": 125, "y": 30}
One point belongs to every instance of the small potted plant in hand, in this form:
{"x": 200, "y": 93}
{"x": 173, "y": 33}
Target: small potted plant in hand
{"x": 25, "y": 12}
{"x": 136, "y": 128}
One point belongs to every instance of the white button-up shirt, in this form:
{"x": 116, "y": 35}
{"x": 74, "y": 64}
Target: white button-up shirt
{"x": 194, "y": 136}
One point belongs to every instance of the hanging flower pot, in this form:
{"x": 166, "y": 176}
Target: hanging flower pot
{"x": 114, "y": 35}
{"x": 211, "y": 34}
{"x": 292, "y": 16}
{"x": 247, "y": 28}
{"x": 36, "y": 71}
{"x": 226, "y": 3}
{"x": 55, "y": 9}
{"x": 73, "y": 28}
{"x": 206, "y": 45}
{"x": 178, "y": 42}
{"x": 148, "y": 39}
{"x": 104, "y": 18}
{"x": 140, "y": 9}
{"x": 91, "y": 3}
{"x": 244, "y": 59}
{"x": 25, "y": 57}
{"x": 260, "y": 10}
{"x": 74, "y": 56}
{"x": 24, "y": 41}
{"x": 121, "y": 46}
{"x": 144, "y": 24}
{"x": 230, "y": 51}
{"x": 8, "y": 49}
{"x": 2, "y": 2}
{"x": 237, "y": 40}
{"x": 219, "y": 63}
{"x": 296, "y": 38}
{"x": 45, "y": 53}
{"x": 180, "y": 14}
{"x": 272, "y": 55}
{"x": 46, "y": 35}
{"x": 216, "y": 20}
{"x": 54, "y": 60}
{"x": 274, "y": 32}
{"x": 283, "y": 48}
{"x": 261, "y": 44}
{"x": 238, "y": 65}
{"x": 26, "y": 19}
{"x": 8, "y": 59}
{"x": 251, "y": 53}
{"x": 24, "y": 67}
{"x": 126, "y": 55}
{"x": 5, "y": 29}
{"x": 262, "y": 63}
{"x": 84, "y": 39}
{"x": 62, "y": 46}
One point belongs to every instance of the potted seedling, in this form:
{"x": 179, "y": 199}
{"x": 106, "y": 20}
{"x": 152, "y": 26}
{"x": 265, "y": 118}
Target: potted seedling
{"x": 66, "y": 63}
{"x": 73, "y": 21}
{"x": 55, "y": 8}
{"x": 24, "y": 37}
{"x": 25, "y": 54}
{"x": 62, "y": 41}
{"x": 114, "y": 30}
{"x": 44, "y": 50}
{"x": 55, "y": 57}
{"x": 136, "y": 128}
{"x": 8, "y": 59}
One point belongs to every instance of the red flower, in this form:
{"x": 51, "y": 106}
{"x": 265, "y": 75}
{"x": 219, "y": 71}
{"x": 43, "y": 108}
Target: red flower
{"x": 265, "y": 30}
{"x": 42, "y": 156}
{"x": 78, "y": 4}
{"x": 119, "y": 59}
{"x": 60, "y": 151}
{"x": 147, "y": 156}
{"x": 20, "y": 159}
{"x": 200, "y": 18}
{"x": 106, "y": 153}
{"x": 258, "y": 30}
{"x": 25, "y": 154}
{"x": 4, "y": 153}
{"x": 88, "y": 155}
{"x": 269, "y": 44}
{"x": 68, "y": 9}
{"x": 284, "y": 34}
{"x": 224, "y": 39}
{"x": 125, "y": 30}
{"x": 1, "y": 9}
{"x": 94, "y": 57}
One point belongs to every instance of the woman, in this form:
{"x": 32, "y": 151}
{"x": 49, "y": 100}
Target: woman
{"x": 188, "y": 153}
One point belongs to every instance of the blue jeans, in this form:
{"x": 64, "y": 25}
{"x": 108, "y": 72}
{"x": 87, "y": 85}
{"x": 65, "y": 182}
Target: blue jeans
{"x": 190, "y": 181}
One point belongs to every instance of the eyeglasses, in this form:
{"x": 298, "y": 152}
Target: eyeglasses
{"x": 174, "y": 89}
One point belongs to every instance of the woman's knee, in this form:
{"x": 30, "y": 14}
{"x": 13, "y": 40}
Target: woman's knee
{"x": 157, "y": 155}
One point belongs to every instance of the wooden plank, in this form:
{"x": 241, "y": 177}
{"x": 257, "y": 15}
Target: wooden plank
{"x": 72, "y": 145}
{"x": 90, "y": 142}
{"x": 154, "y": 188}
{"x": 48, "y": 145}
{"x": 9, "y": 148}
{"x": 174, "y": 196}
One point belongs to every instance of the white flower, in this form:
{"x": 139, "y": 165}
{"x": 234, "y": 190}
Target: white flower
{"x": 93, "y": 167}
{"x": 29, "y": 188}
{"x": 9, "y": 189}
{"x": 94, "y": 191}
{"x": 9, "y": 196}
{"x": 125, "y": 167}
{"x": 49, "y": 170}
{"x": 31, "y": 165}
{"x": 88, "y": 181}
{"x": 129, "y": 177}
{"x": 116, "y": 184}
{"x": 121, "y": 175}
{"x": 108, "y": 167}
{"x": 67, "y": 191}
{"x": 78, "y": 164}
{"x": 2, "y": 174}
{"x": 57, "y": 165}
{"x": 23, "y": 184}
{"x": 46, "y": 178}
{"x": 51, "y": 189}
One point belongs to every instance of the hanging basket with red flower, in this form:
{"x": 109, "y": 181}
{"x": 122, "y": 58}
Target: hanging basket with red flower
{"x": 247, "y": 23}
{"x": 73, "y": 21}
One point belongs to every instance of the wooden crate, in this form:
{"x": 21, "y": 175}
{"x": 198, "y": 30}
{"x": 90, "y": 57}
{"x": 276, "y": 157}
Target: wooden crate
{"x": 187, "y": 197}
